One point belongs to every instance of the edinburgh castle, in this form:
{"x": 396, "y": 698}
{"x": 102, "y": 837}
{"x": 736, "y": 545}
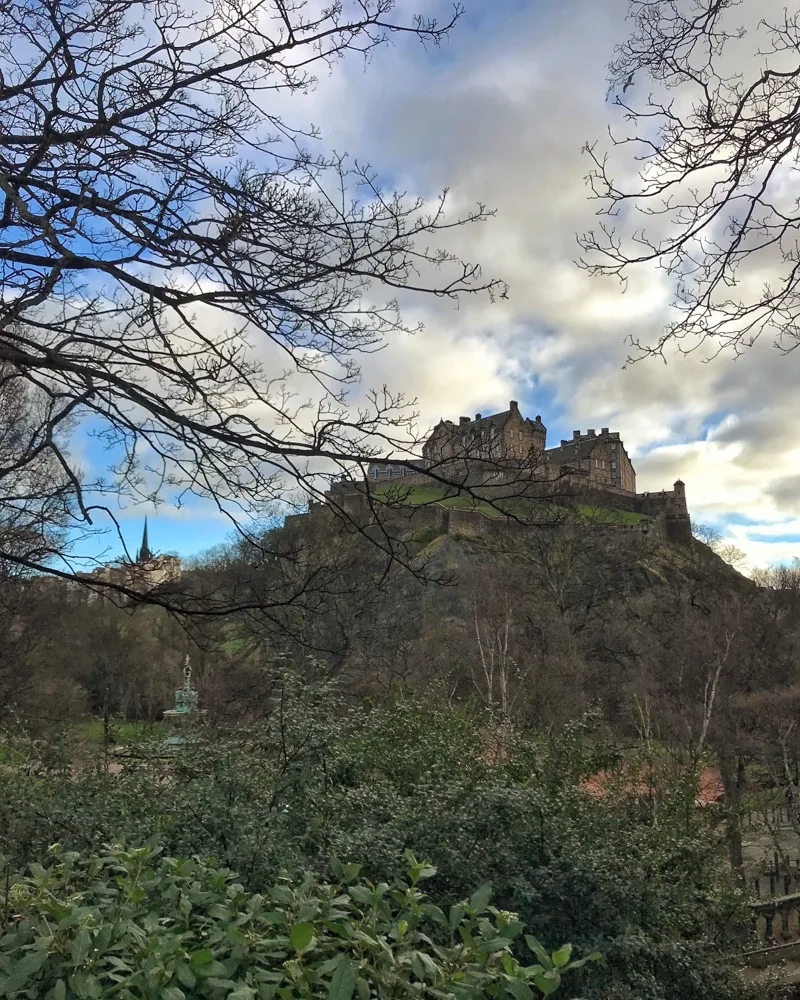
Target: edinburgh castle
{"x": 503, "y": 459}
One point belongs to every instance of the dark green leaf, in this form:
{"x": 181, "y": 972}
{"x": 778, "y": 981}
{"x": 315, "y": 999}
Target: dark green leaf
{"x": 518, "y": 989}
{"x": 579, "y": 963}
{"x": 343, "y": 982}
{"x": 184, "y": 975}
{"x": 85, "y": 986}
{"x": 282, "y": 894}
{"x": 329, "y": 966}
{"x": 456, "y": 915}
{"x": 360, "y": 894}
{"x": 539, "y": 951}
{"x": 562, "y": 956}
{"x": 435, "y": 913}
{"x": 479, "y": 900}
{"x": 547, "y": 982}
{"x": 81, "y": 946}
{"x": 24, "y": 970}
{"x": 200, "y": 959}
{"x": 301, "y": 935}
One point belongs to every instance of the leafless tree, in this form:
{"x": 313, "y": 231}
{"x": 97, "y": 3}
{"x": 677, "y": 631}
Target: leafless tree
{"x": 497, "y": 674}
{"x": 180, "y": 264}
{"x": 36, "y": 503}
{"x": 714, "y": 539}
{"x": 715, "y": 154}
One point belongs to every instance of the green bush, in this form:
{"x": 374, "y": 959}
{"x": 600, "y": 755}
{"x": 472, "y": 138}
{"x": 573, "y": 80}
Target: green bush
{"x": 426, "y": 534}
{"x": 134, "y": 925}
{"x": 646, "y": 887}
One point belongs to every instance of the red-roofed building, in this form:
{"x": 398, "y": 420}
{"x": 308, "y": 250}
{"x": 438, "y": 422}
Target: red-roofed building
{"x": 710, "y": 788}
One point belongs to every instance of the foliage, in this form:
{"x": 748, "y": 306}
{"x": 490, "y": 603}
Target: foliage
{"x": 610, "y": 515}
{"x": 134, "y": 924}
{"x": 120, "y": 731}
{"x": 642, "y": 883}
{"x": 426, "y": 534}
{"x": 400, "y": 494}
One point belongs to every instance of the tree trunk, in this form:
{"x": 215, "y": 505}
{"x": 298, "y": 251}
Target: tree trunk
{"x": 732, "y": 771}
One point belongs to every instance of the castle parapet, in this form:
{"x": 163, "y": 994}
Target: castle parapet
{"x": 669, "y": 505}
{"x": 670, "y": 502}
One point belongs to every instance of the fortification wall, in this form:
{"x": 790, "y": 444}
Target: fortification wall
{"x": 669, "y": 502}
{"x": 487, "y": 482}
{"x": 666, "y": 511}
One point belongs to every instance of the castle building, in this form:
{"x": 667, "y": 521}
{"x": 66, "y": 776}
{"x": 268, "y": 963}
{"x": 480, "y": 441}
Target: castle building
{"x": 505, "y": 436}
{"x": 601, "y": 457}
{"x": 504, "y": 457}
{"x": 508, "y": 437}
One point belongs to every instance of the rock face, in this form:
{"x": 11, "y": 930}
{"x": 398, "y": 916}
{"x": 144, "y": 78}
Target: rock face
{"x": 562, "y": 616}
{"x": 632, "y": 567}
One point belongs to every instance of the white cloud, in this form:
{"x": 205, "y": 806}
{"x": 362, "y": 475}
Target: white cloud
{"x": 503, "y": 122}
{"x": 500, "y": 115}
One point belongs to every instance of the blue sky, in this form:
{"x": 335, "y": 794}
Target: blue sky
{"x": 499, "y": 114}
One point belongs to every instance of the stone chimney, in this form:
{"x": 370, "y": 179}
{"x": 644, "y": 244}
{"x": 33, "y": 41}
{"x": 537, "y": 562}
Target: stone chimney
{"x": 604, "y": 430}
{"x": 680, "y": 487}
{"x": 477, "y": 416}
{"x": 576, "y": 435}
{"x": 463, "y": 420}
{"x": 591, "y": 432}
{"x": 538, "y": 418}
{"x": 513, "y": 406}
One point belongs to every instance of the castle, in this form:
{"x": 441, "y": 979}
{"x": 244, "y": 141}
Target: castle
{"x": 504, "y": 456}
{"x": 507, "y": 440}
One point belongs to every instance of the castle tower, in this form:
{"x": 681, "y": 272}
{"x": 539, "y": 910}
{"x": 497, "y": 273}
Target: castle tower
{"x": 144, "y": 554}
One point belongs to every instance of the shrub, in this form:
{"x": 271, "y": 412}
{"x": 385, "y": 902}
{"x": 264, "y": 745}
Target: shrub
{"x": 134, "y": 925}
{"x": 647, "y": 888}
{"x": 426, "y": 534}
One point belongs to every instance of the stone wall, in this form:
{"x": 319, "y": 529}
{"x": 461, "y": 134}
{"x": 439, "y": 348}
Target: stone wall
{"x": 670, "y": 502}
{"x": 474, "y": 523}
{"x": 666, "y": 511}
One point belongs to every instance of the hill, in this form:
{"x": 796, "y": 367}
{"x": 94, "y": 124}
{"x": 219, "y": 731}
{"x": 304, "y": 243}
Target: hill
{"x": 539, "y": 620}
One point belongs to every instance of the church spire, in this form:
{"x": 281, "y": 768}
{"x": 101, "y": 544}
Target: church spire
{"x": 144, "y": 553}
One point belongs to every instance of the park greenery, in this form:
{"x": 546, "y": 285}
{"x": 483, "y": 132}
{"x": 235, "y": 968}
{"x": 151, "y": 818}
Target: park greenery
{"x": 467, "y": 722}
{"x": 527, "y": 511}
{"x": 133, "y": 923}
{"x": 431, "y": 766}
{"x": 324, "y": 793}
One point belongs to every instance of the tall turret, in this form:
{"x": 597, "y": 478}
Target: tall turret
{"x": 144, "y": 554}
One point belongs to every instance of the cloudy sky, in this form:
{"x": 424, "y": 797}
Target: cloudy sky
{"x": 499, "y": 115}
